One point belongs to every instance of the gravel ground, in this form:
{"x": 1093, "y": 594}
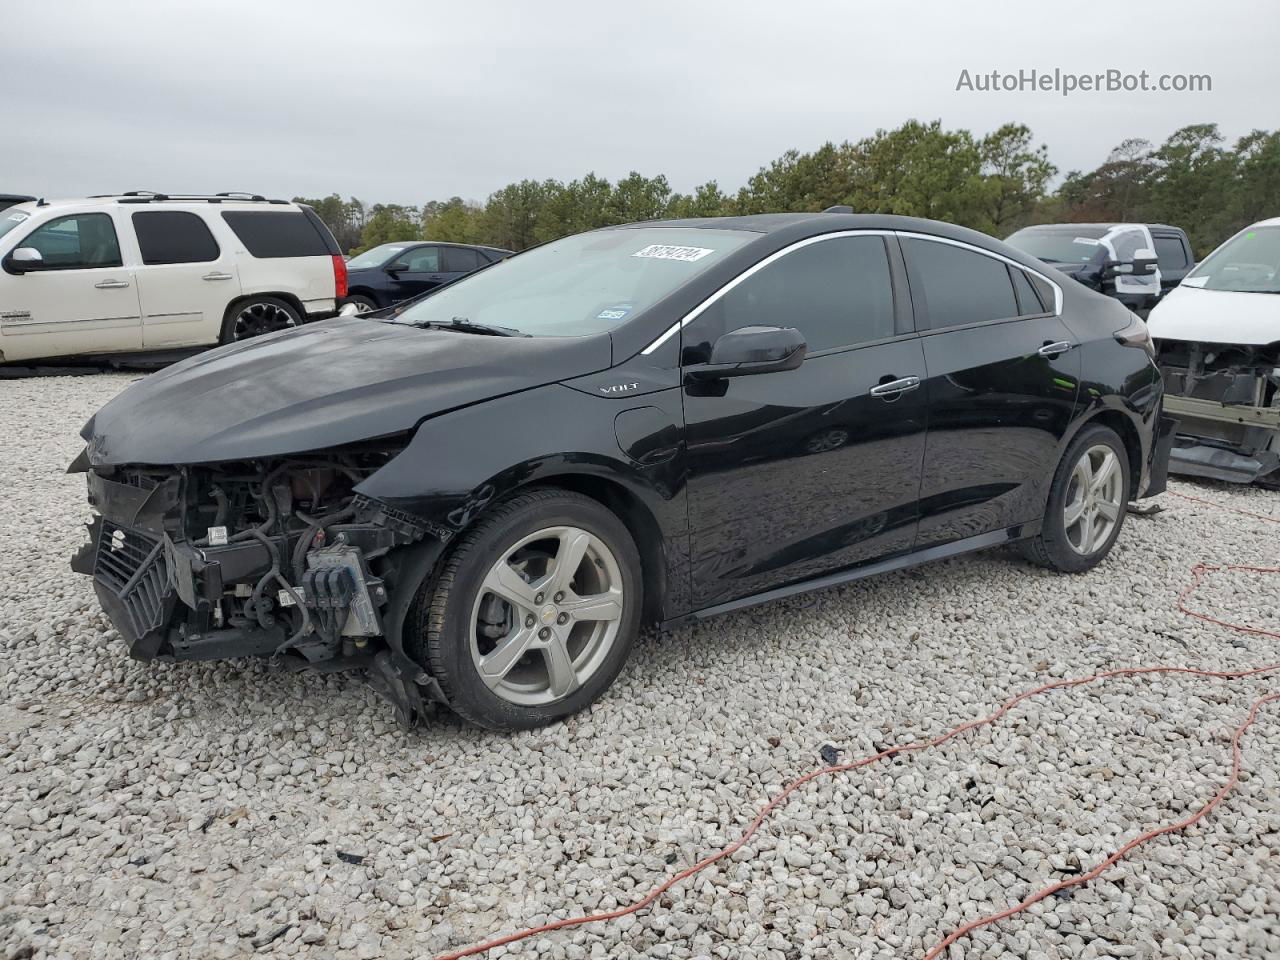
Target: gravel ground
{"x": 152, "y": 810}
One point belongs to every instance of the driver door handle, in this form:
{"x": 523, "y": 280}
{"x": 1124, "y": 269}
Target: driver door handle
{"x": 111, "y": 284}
{"x": 1055, "y": 349}
{"x": 895, "y": 387}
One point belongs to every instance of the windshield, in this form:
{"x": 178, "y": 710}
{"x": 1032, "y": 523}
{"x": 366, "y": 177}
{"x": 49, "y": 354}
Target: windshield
{"x": 1248, "y": 263}
{"x": 580, "y": 285}
{"x": 9, "y": 219}
{"x": 377, "y": 256}
{"x": 1061, "y": 244}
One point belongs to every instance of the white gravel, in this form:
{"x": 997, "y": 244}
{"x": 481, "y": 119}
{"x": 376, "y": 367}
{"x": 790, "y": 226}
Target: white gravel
{"x": 167, "y": 811}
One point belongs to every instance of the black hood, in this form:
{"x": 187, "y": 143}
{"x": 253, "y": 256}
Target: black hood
{"x": 323, "y": 385}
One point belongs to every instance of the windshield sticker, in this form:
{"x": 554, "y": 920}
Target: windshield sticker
{"x": 664, "y": 251}
{"x": 1087, "y": 242}
{"x": 18, "y": 216}
{"x": 613, "y": 313}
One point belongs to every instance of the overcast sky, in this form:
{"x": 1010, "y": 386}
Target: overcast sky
{"x": 410, "y": 101}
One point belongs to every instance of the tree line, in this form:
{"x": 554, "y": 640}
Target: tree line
{"x": 995, "y": 183}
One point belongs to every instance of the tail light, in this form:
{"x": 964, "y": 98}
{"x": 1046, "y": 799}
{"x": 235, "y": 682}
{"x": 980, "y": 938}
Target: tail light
{"x": 1136, "y": 334}
{"x": 339, "y": 276}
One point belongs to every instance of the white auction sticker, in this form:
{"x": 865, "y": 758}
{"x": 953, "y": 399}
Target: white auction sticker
{"x": 664, "y": 251}
{"x": 1087, "y": 241}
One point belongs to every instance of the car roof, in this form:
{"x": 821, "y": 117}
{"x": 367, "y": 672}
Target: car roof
{"x": 804, "y": 224}
{"x": 164, "y": 203}
{"x": 1107, "y": 225}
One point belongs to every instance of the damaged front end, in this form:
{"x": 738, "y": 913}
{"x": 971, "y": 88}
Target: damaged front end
{"x": 1227, "y": 399}
{"x": 278, "y": 558}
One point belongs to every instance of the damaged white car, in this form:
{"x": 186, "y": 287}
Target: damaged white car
{"x": 1218, "y": 335}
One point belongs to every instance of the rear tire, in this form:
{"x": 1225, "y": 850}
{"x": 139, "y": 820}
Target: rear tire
{"x": 255, "y": 316}
{"x": 1083, "y": 520}
{"x": 534, "y": 612}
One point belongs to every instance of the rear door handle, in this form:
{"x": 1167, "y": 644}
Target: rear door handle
{"x": 217, "y": 276}
{"x": 895, "y": 387}
{"x": 1055, "y": 349}
{"x": 111, "y": 284}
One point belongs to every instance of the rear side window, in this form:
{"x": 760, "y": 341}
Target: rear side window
{"x": 271, "y": 234}
{"x": 1170, "y": 253}
{"x": 173, "y": 236}
{"x": 837, "y": 293}
{"x": 460, "y": 260}
{"x": 958, "y": 286}
{"x": 1029, "y": 303}
{"x": 82, "y": 241}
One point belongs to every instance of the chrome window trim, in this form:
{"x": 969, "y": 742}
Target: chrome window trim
{"x": 807, "y": 241}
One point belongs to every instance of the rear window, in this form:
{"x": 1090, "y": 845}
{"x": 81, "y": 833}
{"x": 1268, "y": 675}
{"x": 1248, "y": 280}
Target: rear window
{"x": 173, "y": 236}
{"x": 271, "y": 234}
{"x": 1170, "y": 253}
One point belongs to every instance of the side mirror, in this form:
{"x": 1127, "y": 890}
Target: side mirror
{"x": 24, "y": 260}
{"x": 397, "y": 267}
{"x": 1144, "y": 263}
{"x": 751, "y": 350}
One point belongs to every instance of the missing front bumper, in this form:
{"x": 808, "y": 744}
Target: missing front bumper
{"x": 1237, "y": 443}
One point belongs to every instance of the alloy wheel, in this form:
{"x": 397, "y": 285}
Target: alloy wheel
{"x": 547, "y": 615}
{"x": 258, "y": 318}
{"x": 1094, "y": 499}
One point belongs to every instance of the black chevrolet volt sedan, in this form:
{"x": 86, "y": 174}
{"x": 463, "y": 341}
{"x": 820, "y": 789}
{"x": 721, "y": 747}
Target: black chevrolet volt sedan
{"x": 482, "y": 499}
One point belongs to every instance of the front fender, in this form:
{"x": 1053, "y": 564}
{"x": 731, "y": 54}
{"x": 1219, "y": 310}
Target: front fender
{"x": 460, "y": 463}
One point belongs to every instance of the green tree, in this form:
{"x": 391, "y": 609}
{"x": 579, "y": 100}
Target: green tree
{"x": 1258, "y": 181}
{"x": 706, "y": 200}
{"x": 453, "y": 220}
{"x": 1015, "y": 175}
{"x": 1194, "y": 184}
{"x": 510, "y": 216}
{"x": 636, "y": 198}
{"x": 344, "y": 218}
{"x": 918, "y": 170}
{"x": 389, "y": 223}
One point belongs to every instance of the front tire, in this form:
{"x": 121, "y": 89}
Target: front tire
{"x": 1086, "y": 506}
{"x": 363, "y": 304}
{"x": 534, "y": 613}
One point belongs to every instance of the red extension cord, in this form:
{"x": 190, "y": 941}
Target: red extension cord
{"x": 1197, "y": 576}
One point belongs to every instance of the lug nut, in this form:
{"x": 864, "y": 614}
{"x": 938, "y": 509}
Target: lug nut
{"x": 528, "y": 621}
{"x": 559, "y": 597}
{"x": 563, "y": 618}
{"x": 544, "y": 633}
{"x": 539, "y": 598}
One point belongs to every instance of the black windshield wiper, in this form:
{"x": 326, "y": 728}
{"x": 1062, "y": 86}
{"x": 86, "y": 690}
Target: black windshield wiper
{"x": 463, "y": 325}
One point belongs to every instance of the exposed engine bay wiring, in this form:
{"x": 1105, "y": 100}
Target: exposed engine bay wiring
{"x": 1198, "y": 573}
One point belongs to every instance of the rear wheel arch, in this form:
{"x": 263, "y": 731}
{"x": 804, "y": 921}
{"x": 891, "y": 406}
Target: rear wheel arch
{"x": 240, "y": 302}
{"x": 1122, "y": 424}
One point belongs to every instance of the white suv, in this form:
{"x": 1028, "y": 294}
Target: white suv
{"x": 145, "y": 272}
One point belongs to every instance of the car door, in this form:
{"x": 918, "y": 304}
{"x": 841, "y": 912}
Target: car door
{"x": 794, "y": 474}
{"x": 80, "y": 299}
{"x": 185, "y": 278}
{"x": 416, "y": 271}
{"x": 1003, "y": 374}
